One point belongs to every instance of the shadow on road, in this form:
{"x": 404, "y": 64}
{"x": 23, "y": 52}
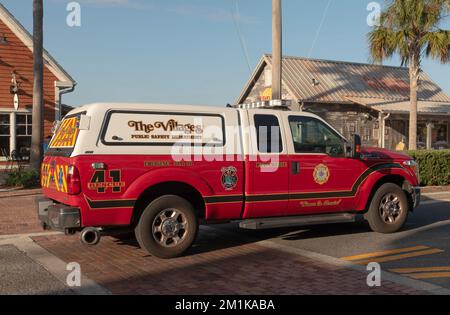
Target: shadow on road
{"x": 423, "y": 220}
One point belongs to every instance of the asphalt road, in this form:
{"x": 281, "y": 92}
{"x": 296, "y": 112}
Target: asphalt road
{"x": 421, "y": 251}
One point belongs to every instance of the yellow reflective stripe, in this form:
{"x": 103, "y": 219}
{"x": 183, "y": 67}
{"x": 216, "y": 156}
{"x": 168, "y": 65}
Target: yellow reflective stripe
{"x": 49, "y": 177}
{"x": 55, "y": 179}
{"x": 64, "y": 178}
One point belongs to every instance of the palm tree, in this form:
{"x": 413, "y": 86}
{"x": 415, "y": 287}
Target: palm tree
{"x": 410, "y": 28}
{"x": 38, "y": 87}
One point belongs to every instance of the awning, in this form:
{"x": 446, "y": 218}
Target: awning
{"x": 403, "y": 106}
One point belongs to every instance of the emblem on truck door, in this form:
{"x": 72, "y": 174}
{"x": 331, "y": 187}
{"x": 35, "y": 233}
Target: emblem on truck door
{"x": 321, "y": 174}
{"x": 229, "y": 178}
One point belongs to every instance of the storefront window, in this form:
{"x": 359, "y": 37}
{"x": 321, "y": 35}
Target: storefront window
{"x": 440, "y": 136}
{"x": 421, "y": 136}
{"x": 441, "y": 133}
{"x": 4, "y": 135}
{"x": 23, "y": 132}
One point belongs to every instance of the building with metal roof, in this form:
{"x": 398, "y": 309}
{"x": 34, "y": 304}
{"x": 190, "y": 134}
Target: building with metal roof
{"x": 369, "y": 99}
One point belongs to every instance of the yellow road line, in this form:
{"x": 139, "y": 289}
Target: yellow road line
{"x": 416, "y": 270}
{"x": 400, "y": 257}
{"x": 384, "y": 253}
{"x": 429, "y": 275}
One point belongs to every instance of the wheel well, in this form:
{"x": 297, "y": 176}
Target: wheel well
{"x": 169, "y": 188}
{"x": 394, "y": 179}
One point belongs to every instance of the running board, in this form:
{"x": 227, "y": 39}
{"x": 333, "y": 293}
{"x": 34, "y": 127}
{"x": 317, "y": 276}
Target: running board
{"x": 273, "y": 223}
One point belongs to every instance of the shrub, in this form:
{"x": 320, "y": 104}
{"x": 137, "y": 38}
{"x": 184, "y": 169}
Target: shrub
{"x": 23, "y": 178}
{"x": 434, "y": 167}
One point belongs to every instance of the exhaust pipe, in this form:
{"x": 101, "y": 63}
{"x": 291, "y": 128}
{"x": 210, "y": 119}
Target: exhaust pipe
{"x": 90, "y": 236}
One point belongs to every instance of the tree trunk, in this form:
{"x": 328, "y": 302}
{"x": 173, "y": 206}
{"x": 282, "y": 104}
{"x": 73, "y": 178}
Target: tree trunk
{"x": 414, "y": 76}
{"x": 38, "y": 87}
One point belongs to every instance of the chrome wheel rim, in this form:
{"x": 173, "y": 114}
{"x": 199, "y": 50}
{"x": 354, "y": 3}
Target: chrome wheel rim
{"x": 390, "y": 208}
{"x": 170, "y": 228}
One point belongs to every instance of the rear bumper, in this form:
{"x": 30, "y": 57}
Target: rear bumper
{"x": 57, "y": 217}
{"x": 416, "y": 196}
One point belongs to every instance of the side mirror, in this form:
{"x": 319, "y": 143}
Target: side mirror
{"x": 356, "y": 147}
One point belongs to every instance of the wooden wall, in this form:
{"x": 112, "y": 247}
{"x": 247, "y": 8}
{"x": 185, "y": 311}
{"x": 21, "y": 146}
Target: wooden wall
{"x": 15, "y": 56}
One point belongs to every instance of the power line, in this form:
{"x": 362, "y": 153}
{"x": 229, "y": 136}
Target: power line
{"x": 235, "y": 13}
{"x": 320, "y": 27}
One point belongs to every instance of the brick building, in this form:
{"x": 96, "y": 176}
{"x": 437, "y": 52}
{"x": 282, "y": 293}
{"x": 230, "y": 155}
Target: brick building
{"x": 16, "y": 86}
{"x": 371, "y": 100}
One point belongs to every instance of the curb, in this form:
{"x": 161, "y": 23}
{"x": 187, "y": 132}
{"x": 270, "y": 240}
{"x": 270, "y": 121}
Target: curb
{"x": 386, "y": 275}
{"x": 19, "y": 193}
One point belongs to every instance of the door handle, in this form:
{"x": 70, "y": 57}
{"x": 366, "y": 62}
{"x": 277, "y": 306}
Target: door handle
{"x": 295, "y": 168}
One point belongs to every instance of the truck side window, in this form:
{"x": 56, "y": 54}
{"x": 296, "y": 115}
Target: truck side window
{"x": 268, "y": 134}
{"x": 310, "y": 135}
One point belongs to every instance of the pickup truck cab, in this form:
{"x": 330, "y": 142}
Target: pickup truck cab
{"x": 164, "y": 169}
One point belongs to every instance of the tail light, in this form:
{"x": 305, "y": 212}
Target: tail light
{"x": 73, "y": 181}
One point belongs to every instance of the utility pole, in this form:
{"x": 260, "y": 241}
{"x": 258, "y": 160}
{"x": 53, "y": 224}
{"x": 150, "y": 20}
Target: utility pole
{"x": 38, "y": 86}
{"x": 277, "y": 53}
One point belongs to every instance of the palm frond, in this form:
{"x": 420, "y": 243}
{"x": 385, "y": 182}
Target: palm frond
{"x": 438, "y": 45}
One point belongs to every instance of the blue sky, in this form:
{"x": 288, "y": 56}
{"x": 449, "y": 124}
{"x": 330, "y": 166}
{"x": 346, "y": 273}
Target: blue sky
{"x": 191, "y": 51}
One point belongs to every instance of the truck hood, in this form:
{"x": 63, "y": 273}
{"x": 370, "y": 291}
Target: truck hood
{"x": 383, "y": 154}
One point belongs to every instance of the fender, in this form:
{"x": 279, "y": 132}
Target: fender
{"x": 159, "y": 176}
{"x": 366, "y": 187}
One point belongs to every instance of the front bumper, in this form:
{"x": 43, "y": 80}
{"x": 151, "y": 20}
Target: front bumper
{"x": 416, "y": 196}
{"x": 57, "y": 217}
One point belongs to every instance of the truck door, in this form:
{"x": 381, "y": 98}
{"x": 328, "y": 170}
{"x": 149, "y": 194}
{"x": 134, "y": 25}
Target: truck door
{"x": 267, "y": 173}
{"x": 322, "y": 179}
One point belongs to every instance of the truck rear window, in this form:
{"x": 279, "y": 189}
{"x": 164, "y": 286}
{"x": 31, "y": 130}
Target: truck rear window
{"x": 65, "y": 137}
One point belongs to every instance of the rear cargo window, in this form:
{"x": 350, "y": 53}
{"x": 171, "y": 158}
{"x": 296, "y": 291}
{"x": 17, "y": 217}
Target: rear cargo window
{"x": 163, "y": 129}
{"x": 65, "y": 137}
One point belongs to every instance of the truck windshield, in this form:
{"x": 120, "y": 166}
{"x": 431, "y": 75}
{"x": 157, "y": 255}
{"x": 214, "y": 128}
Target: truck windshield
{"x": 65, "y": 137}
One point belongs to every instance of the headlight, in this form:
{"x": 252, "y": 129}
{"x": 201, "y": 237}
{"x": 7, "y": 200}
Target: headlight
{"x": 413, "y": 166}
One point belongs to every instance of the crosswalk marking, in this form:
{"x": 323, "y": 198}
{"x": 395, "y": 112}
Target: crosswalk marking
{"x": 400, "y": 257}
{"x": 429, "y": 275}
{"x": 384, "y": 253}
{"x": 417, "y": 270}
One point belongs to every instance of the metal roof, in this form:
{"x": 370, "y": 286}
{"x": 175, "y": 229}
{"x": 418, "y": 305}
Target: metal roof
{"x": 403, "y": 107}
{"x": 325, "y": 81}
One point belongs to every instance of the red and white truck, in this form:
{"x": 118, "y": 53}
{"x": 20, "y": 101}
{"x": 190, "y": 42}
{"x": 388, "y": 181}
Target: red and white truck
{"x": 164, "y": 169}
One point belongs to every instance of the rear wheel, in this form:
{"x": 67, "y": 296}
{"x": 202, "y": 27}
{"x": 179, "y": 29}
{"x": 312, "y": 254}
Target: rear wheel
{"x": 388, "y": 209}
{"x": 167, "y": 227}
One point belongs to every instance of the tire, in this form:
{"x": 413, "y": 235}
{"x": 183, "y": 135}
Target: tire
{"x": 388, "y": 209}
{"x": 168, "y": 227}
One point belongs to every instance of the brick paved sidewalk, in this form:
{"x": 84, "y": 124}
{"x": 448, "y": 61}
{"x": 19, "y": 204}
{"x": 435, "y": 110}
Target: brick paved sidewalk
{"x": 218, "y": 264}
{"x": 18, "y": 214}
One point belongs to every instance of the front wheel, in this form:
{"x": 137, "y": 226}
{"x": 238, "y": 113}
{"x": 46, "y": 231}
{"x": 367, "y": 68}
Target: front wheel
{"x": 167, "y": 227}
{"x": 388, "y": 209}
